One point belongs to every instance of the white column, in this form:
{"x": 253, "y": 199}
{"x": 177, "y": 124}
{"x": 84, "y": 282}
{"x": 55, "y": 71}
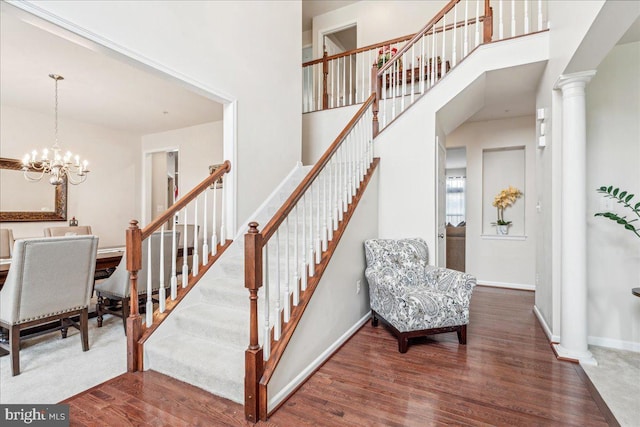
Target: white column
{"x": 573, "y": 319}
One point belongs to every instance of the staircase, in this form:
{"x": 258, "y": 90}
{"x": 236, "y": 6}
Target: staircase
{"x": 204, "y": 340}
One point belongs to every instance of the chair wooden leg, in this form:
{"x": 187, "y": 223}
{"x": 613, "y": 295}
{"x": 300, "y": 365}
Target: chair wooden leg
{"x": 462, "y": 334}
{"x": 64, "y": 327}
{"x": 403, "y": 343}
{"x": 125, "y": 312}
{"x": 84, "y": 329}
{"x": 14, "y": 349}
{"x": 374, "y": 319}
{"x": 99, "y": 310}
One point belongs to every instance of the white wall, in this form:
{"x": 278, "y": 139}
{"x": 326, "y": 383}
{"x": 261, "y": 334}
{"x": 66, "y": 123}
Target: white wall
{"x": 320, "y": 129}
{"x": 108, "y": 199}
{"x": 376, "y": 21}
{"x": 498, "y": 260}
{"x": 613, "y": 158}
{"x": 244, "y": 51}
{"x": 336, "y": 311}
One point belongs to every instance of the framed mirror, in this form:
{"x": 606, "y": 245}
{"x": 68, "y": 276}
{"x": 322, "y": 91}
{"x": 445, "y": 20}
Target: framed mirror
{"x": 24, "y": 201}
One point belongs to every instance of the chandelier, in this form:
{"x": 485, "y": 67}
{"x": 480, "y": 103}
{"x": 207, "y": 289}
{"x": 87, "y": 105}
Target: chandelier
{"x": 35, "y": 166}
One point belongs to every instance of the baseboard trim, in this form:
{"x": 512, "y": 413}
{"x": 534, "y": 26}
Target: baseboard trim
{"x": 302, "y": 377}
{"x": 616, "y": 344}
{"x": 518, "y": 286}
{"x": 545, "y": 327}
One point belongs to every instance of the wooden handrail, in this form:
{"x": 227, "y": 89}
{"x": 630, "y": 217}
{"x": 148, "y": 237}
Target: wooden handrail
{"x": 288, "y": 206}
{"x": 358, "y": 50}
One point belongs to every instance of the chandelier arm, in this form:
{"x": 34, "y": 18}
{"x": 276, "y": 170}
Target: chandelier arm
{"x": 32, "y": 178}
{"x": 70, "y": 178}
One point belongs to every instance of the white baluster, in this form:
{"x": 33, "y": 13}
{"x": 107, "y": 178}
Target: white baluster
{"x": 312, "y": 264}
{"x": 443, "y": 69}
{"x": 500, "y": 22}
{"x": 214, "y": 234}
{"x": 149, "y": 307}
{"x": 331, "y": 204}
{"x": 223, "y": 215}
{"x": 513, "y": 18}
{"x": 413, "y": 71}
{"x": 421, "y": 64}
{"x": 465, "y": 45}
{"x": 338, "y": 208}
{"x": 526, "y": 17}
{"x": 287, "y": 300}
{"x": 162, "y": 295}
{"x": 394, "y": 94}
{"x": 539, "y": 15}
{"x": 354, "y": 162}
{"x": 454, "y": 53}
{"x": 351, "y": 74}
{"x": 296, "y": 265}
{"x": 266, "y": 345}
{"x": 195, "y": 258}
{"x": 344, "y": 80}
{"x": 324, "y": 235}
{"x": 345, "y": 177}
{"x": 185, "y": 265}
{"x": 205, "y": 241}
{"x": 276, "y": 309}
{"x": 319, "y": 218}
{"x": 174, "y": 255}
{"x": 303, "y": 267}
{"x": 434, "y": 63}
{"x": 477, "y": 23}
{"x": 403, "y": 81}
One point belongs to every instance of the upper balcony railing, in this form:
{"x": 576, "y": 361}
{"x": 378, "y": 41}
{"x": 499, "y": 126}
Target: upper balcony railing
{"x": 462, "y": 25}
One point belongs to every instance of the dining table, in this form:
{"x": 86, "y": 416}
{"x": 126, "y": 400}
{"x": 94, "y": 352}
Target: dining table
{"x": 107, "y": 259}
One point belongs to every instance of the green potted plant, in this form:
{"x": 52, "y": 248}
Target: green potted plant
{"x": 503, "y": 200}
{"x": 625, "y": 199}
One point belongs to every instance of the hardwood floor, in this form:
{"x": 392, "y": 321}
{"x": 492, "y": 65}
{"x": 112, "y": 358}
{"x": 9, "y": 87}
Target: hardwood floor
{"x": 505, "y": 375}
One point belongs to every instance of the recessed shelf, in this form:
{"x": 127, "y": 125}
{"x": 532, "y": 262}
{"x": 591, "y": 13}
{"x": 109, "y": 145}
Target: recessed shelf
{"x": 498, "y": 237}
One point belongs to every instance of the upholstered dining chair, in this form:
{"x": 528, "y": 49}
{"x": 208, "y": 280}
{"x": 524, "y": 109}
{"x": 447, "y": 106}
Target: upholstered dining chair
{"x": 6, "y": 242}
{"x": 49, "y": 279}
{"x": 80, "y": 230}
{"x": 411, "y": 297}
{"x": 114, "y": 293}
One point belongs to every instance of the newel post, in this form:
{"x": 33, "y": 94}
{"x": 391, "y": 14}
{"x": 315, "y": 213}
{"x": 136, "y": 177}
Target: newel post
{"x": 375, "y": 88}
{"x": 488, "y": 22}
{"x": 134, "y": 324}
{"x": 325, "y": 74}
{"x": 253, "y": 362}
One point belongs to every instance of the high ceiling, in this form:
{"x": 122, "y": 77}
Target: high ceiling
{"x": 97, "y": 88}
{"x": 311, "y": 8}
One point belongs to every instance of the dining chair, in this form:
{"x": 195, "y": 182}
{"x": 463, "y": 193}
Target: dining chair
{"x": 6, "y": 242}
{"x": 79, "y": 230}
{"x": 50, "y": 279}
{"x": 114, "y": 292}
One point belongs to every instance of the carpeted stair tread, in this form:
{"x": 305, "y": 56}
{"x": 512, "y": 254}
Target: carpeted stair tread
{"x": 215, "y": 367}
{"x": 215, "y": 322}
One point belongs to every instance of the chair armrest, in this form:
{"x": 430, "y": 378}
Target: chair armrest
{"x": 450, "y": 282}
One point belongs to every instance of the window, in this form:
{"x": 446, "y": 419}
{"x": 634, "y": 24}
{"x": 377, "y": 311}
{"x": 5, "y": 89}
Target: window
{"x": 455, "y": 205}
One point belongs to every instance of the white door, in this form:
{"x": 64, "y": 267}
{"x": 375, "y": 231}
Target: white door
{"x": 441, "y": 241}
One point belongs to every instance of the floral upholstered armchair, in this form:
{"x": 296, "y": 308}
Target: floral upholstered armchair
{"x": 412, "y": 297}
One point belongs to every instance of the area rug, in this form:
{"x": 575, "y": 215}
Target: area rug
{"x": 53, "y": 369}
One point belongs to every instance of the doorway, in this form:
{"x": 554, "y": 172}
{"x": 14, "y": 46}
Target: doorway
{"x": 455, "y": 195}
